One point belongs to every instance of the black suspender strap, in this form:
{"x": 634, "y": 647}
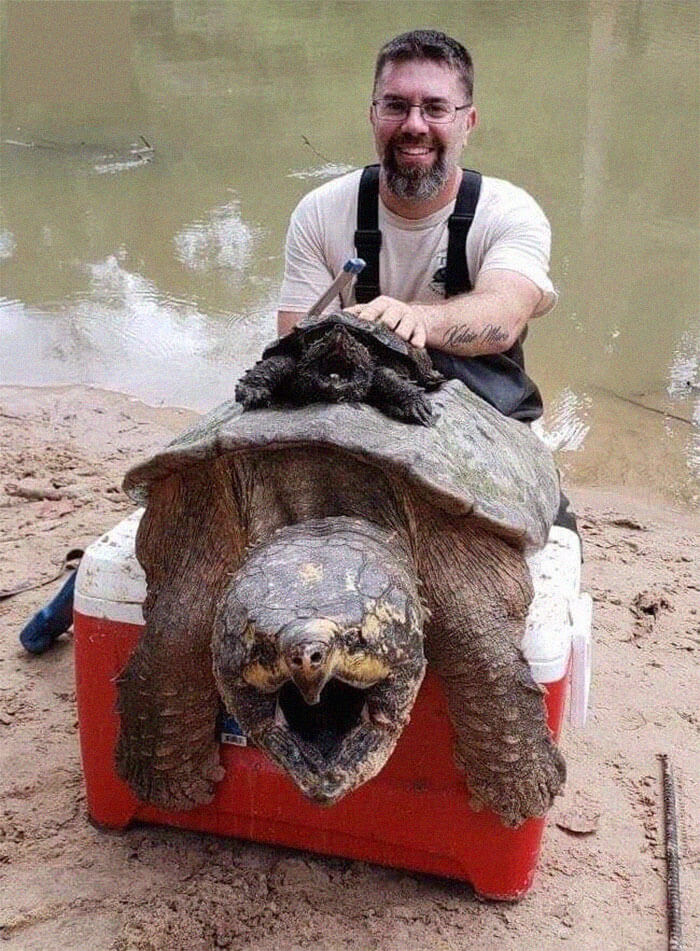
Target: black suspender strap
{"x": 458, "y": 225}
{"x": 368, "y": 237}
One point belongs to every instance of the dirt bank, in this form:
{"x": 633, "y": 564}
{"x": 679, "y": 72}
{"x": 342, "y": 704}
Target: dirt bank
{"x": 65, "y": 885}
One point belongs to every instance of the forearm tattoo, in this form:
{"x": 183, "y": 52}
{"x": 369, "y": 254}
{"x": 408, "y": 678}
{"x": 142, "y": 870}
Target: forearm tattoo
{"x": 463, "y": 333}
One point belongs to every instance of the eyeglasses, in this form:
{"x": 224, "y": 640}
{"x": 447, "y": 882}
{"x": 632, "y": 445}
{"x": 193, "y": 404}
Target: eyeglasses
{"x": 398, "y": 110}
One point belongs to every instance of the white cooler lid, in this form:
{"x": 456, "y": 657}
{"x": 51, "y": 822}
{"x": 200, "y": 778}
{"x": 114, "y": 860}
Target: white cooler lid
{"x": 111, "y": 585}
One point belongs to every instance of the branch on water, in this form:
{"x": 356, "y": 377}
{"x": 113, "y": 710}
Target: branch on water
{"x": 649, "y": 409}
{"x": 315, "y": 150}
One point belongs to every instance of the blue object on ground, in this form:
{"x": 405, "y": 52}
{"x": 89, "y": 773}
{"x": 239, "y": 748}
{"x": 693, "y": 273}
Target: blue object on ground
{"x": 52, "y": 621}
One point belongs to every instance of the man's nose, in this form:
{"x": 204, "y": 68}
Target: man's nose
{"x": 414, "y": 121}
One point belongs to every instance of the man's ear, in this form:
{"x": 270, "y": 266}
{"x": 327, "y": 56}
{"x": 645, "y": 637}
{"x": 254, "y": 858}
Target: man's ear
{"x": 370, "y": 114}
{"x": 471, "y": 123}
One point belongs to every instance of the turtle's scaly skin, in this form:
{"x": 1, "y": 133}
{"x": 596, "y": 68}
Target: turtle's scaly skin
{"x": 342, "y": 358}
{"x": 241, "y": 532}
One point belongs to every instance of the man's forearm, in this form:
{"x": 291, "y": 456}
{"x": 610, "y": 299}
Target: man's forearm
{"x": 489, "y": 319}
{"x": 474, "y": 324}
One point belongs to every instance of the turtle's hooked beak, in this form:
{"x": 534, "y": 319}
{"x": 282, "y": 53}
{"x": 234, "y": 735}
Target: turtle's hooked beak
{"x": 307, "y": 649}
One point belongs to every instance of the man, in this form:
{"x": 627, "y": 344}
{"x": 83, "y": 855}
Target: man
{"x": 469, "y": 299}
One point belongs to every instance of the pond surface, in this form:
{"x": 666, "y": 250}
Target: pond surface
{"x": 146, "y": 193}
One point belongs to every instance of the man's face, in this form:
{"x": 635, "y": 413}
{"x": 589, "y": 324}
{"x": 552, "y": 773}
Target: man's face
{"x": 418, "y": 156}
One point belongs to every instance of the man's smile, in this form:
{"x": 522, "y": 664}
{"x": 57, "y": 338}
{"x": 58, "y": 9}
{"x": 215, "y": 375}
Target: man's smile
{"x": 409, "y": 153}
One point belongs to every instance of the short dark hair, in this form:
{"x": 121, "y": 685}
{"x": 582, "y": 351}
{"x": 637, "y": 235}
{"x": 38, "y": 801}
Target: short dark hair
{"x": 430, "y": 45}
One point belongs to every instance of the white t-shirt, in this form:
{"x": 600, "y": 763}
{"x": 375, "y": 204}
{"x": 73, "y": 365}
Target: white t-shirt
{"x": 509, "y": 231}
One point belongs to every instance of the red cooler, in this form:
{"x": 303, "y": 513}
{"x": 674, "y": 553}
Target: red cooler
{"x": 415, "y": 814}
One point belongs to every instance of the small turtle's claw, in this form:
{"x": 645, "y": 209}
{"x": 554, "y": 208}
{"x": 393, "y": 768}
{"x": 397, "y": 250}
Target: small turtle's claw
{"x": 422, "y": 412}
{"x": 253, "y": 397}
{"x": 418, "y": 410}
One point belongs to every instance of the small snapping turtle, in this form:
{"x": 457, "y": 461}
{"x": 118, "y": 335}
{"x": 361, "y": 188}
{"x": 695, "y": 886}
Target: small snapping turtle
{"x": 303, "y": 565}
{"x": 343, "y": 359}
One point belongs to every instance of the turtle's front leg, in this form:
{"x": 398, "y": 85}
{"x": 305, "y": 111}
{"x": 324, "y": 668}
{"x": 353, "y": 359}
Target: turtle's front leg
{"x": 502, "y": 741}
{"x": 260, "y": 384}
{"x": 167, "y": 700}
{"x": 400, "y": 397}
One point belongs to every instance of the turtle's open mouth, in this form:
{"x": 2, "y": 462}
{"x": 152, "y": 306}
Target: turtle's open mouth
{"x": 336, "y": 368}
{"x": 335, "y": 379}
{"x": 325, "y": 724}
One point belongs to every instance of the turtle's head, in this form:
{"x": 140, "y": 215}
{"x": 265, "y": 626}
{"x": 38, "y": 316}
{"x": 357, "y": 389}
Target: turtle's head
{"x": 318, "y": 652}
{"x": 336, "y": 367}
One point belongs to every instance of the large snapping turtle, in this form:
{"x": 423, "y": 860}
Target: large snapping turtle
{"x": 299, "y": 563}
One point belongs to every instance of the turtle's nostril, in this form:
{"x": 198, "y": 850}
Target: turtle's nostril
{"x": 316, "y": 657}
{"x": 297, "y": 661}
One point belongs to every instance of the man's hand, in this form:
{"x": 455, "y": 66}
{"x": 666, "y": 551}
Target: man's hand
{"x": 407, "y": 320}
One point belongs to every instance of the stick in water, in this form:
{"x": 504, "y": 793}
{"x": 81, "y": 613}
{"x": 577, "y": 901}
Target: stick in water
{"x": 673, "y": 883}
{"x": 351, "y": 269}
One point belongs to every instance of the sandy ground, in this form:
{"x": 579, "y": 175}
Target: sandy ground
{"x": 66, "y": 885}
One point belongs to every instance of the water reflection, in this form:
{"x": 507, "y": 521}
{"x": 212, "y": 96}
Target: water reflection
{"x": 156, "y": 272}
{"x": 326, "y": 171}
{"x": 564, "y": 426}
{"x": 222, "y": 240}
{"x": 126, "y": 327}
{"x": 7, "y": 244}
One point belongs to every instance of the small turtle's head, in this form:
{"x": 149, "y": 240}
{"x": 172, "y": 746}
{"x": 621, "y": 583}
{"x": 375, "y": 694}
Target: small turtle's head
{"x": 336, "y": 367}
{"x": 318, "y": 652}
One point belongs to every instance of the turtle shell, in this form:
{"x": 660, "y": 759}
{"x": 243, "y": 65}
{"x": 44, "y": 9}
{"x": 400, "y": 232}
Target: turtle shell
{"x": 473, "y": 461}
{"x": 380, "y": 340}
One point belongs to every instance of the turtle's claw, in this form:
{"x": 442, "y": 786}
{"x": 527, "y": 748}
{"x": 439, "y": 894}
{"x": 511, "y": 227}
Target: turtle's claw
{"x": 176, "y": 790}
{"x": 416, "y": 410}
{"x": 253, "y": 397}
{"x": 523, "y": 793}
{"x": 421, "y": 412}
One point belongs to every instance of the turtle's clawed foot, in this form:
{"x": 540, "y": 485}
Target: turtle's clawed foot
{"x": 189, "y": 784}
{"x": 519, "y": 790}
{"x": 413, "y": 409}
{"x": 421, "y": 411}
{"x": 253, "y": 397}
{"x": 260, "y": 385}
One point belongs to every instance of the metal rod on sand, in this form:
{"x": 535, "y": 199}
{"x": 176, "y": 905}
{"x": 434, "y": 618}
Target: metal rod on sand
{"x": 351, "y": 269}
{"x": 673, "y": 883}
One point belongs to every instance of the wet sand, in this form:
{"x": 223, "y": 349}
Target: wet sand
{"x": 66, "y": 885}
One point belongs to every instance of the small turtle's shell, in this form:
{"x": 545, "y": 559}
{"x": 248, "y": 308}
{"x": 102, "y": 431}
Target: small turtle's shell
{"x": 472, "y": 461}
{"x": 380, "y": 340}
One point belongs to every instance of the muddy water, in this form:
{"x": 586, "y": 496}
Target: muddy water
{"x": 146, "y": 190}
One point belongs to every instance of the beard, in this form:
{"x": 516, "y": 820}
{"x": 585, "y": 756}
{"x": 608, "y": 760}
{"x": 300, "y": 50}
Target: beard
{"x": 414, "y": 183}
